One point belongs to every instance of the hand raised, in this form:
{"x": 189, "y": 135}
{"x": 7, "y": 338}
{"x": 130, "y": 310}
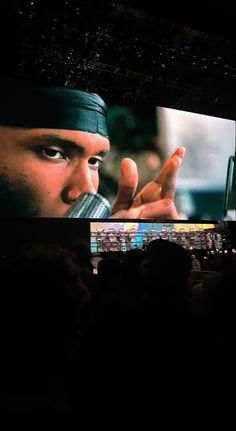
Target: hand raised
{"x": 156, "y": 199}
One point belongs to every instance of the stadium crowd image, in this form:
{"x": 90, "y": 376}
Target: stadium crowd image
{"x": 124, "y": 236}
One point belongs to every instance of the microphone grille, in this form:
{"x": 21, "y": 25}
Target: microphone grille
{"x": 89, "y": 205}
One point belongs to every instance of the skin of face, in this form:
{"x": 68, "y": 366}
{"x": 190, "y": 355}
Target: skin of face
{"x": 43, "y": 171}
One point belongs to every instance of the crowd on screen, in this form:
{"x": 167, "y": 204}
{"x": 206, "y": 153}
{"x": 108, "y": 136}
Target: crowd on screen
{"x": 123, "y": 240}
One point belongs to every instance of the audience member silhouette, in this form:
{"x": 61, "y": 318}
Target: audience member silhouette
{"x": 83, "y": 255}
{"x": 42, "y": 300}
{"x": 167, "y": 269}
{"x": 139, "y": 354}
{"x": 136, "y": 351}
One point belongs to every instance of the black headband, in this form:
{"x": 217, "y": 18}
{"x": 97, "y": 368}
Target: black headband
{"x": 28, "y": 105}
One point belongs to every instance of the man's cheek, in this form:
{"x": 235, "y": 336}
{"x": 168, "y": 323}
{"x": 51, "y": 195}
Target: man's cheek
{"x": 17, "y": 199}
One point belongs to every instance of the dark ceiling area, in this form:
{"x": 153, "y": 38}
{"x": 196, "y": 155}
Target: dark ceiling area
{"x": 176, "y": 56}
{"x": 217, "y": 18}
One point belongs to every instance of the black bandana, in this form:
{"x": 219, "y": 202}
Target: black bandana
{"x": 28, "y": 105}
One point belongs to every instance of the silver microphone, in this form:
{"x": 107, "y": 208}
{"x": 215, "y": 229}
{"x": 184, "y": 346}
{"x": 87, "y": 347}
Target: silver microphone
{"x": 89, "y": 205}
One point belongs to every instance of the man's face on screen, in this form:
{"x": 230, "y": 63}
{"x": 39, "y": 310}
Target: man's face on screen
{"x": 42, "y": 171}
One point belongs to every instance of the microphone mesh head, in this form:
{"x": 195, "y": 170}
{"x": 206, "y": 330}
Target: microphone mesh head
{"x": 89, "y": 205}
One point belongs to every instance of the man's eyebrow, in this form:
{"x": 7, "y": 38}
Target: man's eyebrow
{"x": 66, "y": 144}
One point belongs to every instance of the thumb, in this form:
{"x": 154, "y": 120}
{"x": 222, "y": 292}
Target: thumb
{"x": 127, "y": 185}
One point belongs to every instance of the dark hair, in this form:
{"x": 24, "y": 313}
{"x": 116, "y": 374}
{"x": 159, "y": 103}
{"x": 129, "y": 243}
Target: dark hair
{"x": 168, "y": 265}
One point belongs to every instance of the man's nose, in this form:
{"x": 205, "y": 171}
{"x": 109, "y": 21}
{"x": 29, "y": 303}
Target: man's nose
{"x": 80, "y": 181}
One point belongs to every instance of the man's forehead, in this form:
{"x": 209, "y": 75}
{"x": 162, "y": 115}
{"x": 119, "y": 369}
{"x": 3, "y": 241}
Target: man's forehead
{"x": 73, "y": 139}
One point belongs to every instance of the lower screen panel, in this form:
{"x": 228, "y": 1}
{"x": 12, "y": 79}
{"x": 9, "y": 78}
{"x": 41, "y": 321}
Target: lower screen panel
{"x": 124, "y": 236}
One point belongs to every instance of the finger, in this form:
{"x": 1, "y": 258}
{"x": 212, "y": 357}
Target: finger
{"x": 176, "y": 155}
{"x": 149, "y": 193}
{"x": 163, "y": 209}
{"x": 163, "y": 186}
{"x": 168, "y": 174}
{"x": 127, "y": 185}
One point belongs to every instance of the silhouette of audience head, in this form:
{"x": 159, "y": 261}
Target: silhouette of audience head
{"x": 83, "y": 254}
{"x": 108, "y": 268}
{"x": 42, "y": 301}
{"x": 132, "y": 263}
{"x": 167, "y": 267}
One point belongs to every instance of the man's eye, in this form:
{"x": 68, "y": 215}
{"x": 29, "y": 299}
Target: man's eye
{"x": 95, "y": 162}
{"x": 53, "y": 154}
